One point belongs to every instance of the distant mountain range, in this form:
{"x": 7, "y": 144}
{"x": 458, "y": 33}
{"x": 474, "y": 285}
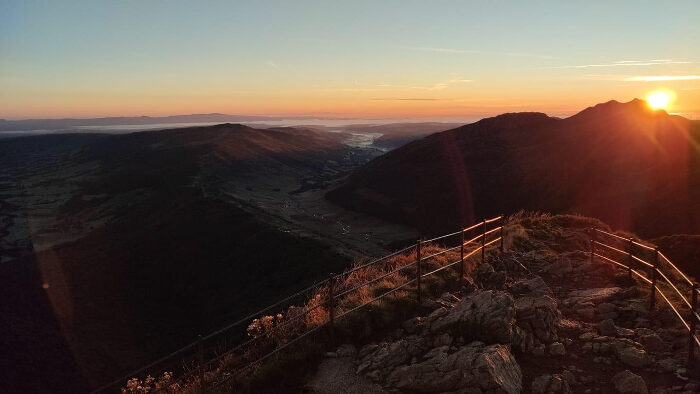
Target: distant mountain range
{"x": 631, "y": 166}
{"x": 57, "y": 124}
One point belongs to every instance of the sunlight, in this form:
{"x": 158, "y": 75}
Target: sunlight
{"x": 659, "y": 100}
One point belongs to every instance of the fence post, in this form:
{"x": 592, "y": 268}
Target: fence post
{"x": 483, "y": 241}
{"x": 592, "y": 244}
{"x": 461, "y": 256}
{"x": 630, "y": 260}
{"x": 418, "y": 271}
{"x": 503, "y": 224}
{"x": 693, "y": 323}
{"x": 652, "y": 294}
{"x": 200, "y": 358}
{"x": 331, "y": 307}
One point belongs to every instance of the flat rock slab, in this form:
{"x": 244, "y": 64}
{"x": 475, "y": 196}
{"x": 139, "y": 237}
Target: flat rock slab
{"x": 337, "y": 376}
{"x": 595, "y": 296}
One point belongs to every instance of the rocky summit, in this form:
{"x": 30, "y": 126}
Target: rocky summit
{"x": 539, "y": 318}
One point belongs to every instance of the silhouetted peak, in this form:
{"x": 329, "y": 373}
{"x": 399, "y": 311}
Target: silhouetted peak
{"x": 510, "y": 120}
{"x": 634, "y": 108}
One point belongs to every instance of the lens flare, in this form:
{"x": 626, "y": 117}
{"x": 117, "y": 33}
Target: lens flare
{"x": 659, "y": 100}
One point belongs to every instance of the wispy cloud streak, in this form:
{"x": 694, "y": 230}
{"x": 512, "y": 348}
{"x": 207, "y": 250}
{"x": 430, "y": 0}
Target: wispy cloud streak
{"x": 411, "y": 99}
{"x": 476, "y": 51}
{"x": 626, "y": 63}
{"x": 653, "y": 78}
{"x": 385, "y": 86}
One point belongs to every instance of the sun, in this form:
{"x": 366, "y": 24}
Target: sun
{"x": 659, "y": 100}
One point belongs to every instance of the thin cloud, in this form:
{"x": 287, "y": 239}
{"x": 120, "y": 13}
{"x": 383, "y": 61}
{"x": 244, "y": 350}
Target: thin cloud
{"x": 272, "y": 64}
{"x": 475, "y": 51}
{"x": 436, "y": 86}
{"x": 653, "y": 78}
{"x": 625, "y": 63}
{"x": 410, "y": 99}
{"x": 442, "y": 50}
{"x": 382, "y": 87}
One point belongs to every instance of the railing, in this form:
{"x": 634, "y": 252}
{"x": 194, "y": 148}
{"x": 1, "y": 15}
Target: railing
{"x": 199, "y": 358}
{"x": 638, "y": 256}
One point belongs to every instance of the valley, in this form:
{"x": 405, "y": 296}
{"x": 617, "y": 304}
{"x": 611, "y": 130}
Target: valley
{"x": 132, "y": 244}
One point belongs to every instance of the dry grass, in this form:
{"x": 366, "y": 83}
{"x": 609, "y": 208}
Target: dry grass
{"x": 288, "y": 370}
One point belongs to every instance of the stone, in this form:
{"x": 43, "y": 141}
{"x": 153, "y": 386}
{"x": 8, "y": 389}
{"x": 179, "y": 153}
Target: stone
{"x": 587, "y": 313}
{"x": 607, "y": 328}
{"x": 625, "y": 332}
{"x": 534, "y": 286}
{"x": 633, "y": 356}
{"x": 538, "y": 315}
{"x": 386, "y": 356}
{"x": 444, "y": 339}
{"x": 413, "y": 325}
{"x": 485, "y": 315}
{"x": 653, "y": 343}
{"x": 595, "y": 295}
{"x": 668, "y": 364}
{"x": 473, "y": 368}
{"x": 557, "y": 349}
{"x": 468, "y": 285}
{"x": 346, "y": 350}
{"x": 627, "y": 382}
{"x": 538, "y": 350}
{"x": 606, "y": 307}
{"x": 569, "y": 377}
{"x": 550, "y": 384}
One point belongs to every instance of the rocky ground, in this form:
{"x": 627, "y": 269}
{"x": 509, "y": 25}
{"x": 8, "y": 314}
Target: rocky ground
{"x": 540, "y": 318}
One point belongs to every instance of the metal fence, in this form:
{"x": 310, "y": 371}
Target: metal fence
{"x": 241, "y": 352}
{"x": 653, "y": 267}
{"x": 232, "y": 344}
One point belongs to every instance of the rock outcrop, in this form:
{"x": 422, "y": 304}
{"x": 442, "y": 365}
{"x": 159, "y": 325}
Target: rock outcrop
{"x": 543, "y": 322}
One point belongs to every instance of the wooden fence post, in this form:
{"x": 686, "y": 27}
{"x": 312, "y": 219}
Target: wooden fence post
{"x": 693, "y": 324}
{"x": 630, "y": 260}
{"x": 461, "y": 256}
{"x": 483, "y": 241}
{"x": 654, "y": 270}
{"x": 331, "y": 307}
{"x": 418, "y": 271}
{"x": 592, "y": 244}
{"x": 503, "y": 225}
{"x": 200, "y": 358}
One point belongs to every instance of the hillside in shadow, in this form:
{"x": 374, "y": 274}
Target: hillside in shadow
{"x": 117, "y": 249}
{"x": 624, "y": 163}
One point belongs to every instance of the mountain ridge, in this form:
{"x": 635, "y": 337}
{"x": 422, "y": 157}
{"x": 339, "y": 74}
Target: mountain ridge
{"x": 612, "y": 152}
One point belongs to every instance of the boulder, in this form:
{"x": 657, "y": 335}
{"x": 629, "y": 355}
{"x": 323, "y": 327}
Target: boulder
{"x": 632, "y": 356}
{"x": 653, "y": 343}
{"x": 473, "y": 368}
{"x": 377, "y": 361}
{"x": 347, "y": 350}
{"x": 627, "y": 382}
{"x": 595, "y": 295}
{"x": 607, "y": 328}
{"x": 627, "y": 351}
{"x": 557, "y": 349}
{"x": 538, "y": 315}
{"x": 550, "y": 384}
{"x": 485, "y": 315}
{"x": 534, "y": 286}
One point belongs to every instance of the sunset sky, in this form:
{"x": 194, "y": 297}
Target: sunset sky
{"x": 407, "y": 59}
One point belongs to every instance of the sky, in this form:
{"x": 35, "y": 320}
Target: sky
{"x": 403, "y": 59}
